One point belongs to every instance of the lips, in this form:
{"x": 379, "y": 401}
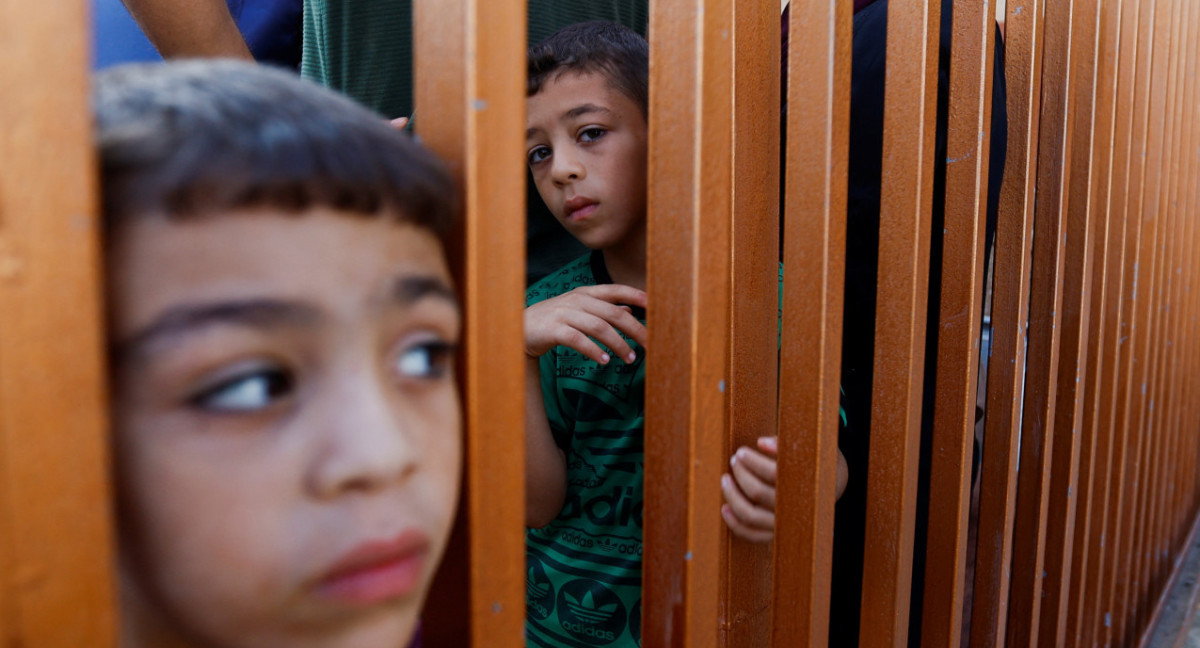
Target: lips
{"x": 377, "y": 570}
{"x": 579, "y": 207}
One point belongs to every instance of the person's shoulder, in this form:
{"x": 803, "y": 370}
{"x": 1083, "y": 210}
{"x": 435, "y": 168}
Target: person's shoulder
{"x": 565, "y": 279}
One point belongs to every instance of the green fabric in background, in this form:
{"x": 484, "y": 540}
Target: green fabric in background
{"x": 362, "y": 48}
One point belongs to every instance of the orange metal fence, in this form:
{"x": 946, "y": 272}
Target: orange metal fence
{"x": 1088, "y": 487}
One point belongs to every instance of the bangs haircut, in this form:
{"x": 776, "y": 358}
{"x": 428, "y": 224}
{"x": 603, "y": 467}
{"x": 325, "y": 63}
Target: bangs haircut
{"x": 193, "y": 138}
{"x": 612, "y": 49}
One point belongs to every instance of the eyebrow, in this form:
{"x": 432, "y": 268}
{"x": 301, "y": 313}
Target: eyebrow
{"x": 577, "y": 111}
{"x": 186, "y": 319}
{"x": 585, "y": 109}
{"x": 410, "y": 289}
{"x": 189, "y": 318}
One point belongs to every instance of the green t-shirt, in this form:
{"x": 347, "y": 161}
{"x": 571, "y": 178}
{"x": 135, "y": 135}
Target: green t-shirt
{"x": 363, "y": 48}
{"x": 584, "y": 569}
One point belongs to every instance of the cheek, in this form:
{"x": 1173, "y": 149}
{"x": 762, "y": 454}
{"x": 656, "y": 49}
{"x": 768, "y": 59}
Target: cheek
{"x": 194, "y": 531}
{"x": 441, "y": 456}
{"x": 545, "y": 188}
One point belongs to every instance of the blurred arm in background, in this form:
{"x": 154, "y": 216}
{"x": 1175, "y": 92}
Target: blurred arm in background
{"x": 190, "y": 28}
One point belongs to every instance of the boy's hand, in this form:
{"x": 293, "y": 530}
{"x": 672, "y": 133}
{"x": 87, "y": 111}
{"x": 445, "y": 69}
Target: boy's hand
{"x": 749, "y": 490}
{"x": 584, "y": 316}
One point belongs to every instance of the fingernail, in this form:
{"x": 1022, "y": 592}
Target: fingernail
{"x": 603, "y": 358}
{"x": 733, "y": 460}
{"x": 632, "y": 356}
{"x": 725, "y": 480}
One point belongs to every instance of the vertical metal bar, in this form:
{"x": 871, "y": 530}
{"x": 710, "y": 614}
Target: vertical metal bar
{"x": 1114, "y": 389}
{"x": 818, "y": 123}
{"x": 1184, "y": 373}
{"x": 470, "y": 95}
{"x": 906, "y": 201}
{"x": 1194, "y": 295}
{"x": 1158, "y": 548}
{"x": 56, "y": 531}
{"x": 1193, "y": 280}
{"x": 1176, "y": 377}
{"x": 1045, "y": 308}
{"x": 1193, "y": 273}
{"x": 1138, "y": 328}
{"x": 1083, "y": 228}
{"x": 690, "y": 178}
{"x": 1154, "y": 207}
{"x": 754, "y": 336}
{"x": 1168, "y": 521}
{"x": 1010, "y": 304}
{"x": 1142, "y": 404}
{"x": 1189, "y": 412}
{"x": 1095, "y": 462}
{"x": 1187, "y": 333}
{"x": 968, "y": 143}
{"x": 1172, "y": 528}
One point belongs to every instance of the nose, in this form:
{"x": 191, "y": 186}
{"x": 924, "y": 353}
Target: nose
{"x": 566, "y": 166}
{"x": 364, "y": 441}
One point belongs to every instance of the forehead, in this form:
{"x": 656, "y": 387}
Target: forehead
{"x": 331, "y": 260}
{"x": 565, "y": 92}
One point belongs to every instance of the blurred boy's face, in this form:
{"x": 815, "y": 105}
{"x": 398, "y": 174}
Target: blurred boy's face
{"x": 287, "y": 426}
{"x": 586, "y": 145}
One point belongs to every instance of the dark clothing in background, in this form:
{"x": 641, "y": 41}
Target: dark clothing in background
{"x": 862, "y": 260}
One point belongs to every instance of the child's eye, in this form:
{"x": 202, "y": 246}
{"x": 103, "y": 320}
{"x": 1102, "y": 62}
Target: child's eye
{"x": 246, "y": 392}
{"x": 538, "y": 154}
{"x": 592, "y": 134}
{"x": 429, "y": 360}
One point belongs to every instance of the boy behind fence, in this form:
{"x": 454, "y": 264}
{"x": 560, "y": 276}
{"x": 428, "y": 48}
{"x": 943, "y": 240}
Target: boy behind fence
{"x": 282, "y": 325}
{"x": 585, "y": 335}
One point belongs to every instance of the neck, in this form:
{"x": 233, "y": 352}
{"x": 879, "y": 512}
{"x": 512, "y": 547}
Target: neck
{"x": 626, "y": 263}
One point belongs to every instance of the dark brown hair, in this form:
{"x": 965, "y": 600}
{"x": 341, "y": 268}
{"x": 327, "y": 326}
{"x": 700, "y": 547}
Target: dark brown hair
{"x": 192, "y": 138}
{"x": 614, "y": 50}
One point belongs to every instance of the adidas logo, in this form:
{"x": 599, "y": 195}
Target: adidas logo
{"x": 588, "y": 631}
{"x": 618, "y": 507}
{"x": 587, "y": 610}
{"x": 533, "y": 589}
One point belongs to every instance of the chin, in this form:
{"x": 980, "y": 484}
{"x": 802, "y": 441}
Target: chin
{"x": 396, "y": 630}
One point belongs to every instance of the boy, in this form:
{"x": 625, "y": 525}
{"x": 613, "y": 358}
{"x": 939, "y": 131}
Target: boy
{"x": 586, "y": 139}
{"x": 282, "y": 328}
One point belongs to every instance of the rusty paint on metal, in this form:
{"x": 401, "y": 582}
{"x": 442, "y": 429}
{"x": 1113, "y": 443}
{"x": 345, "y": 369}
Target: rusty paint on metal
{"x": 1045, "y": 326}
{"x": 458, "y": 67}
{"x": 57, "y": 536}
{"x": 969, "y": 138}
{"x": 690, "y": 185}
{"x": 1083, "y": 228}
{"x": 810, "y": 358}
{"x": 1010, "y": 304}
{"x": 906, "y": 194}
{"x": 754, "y": 300}
{"x": 1095, "y": 465}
